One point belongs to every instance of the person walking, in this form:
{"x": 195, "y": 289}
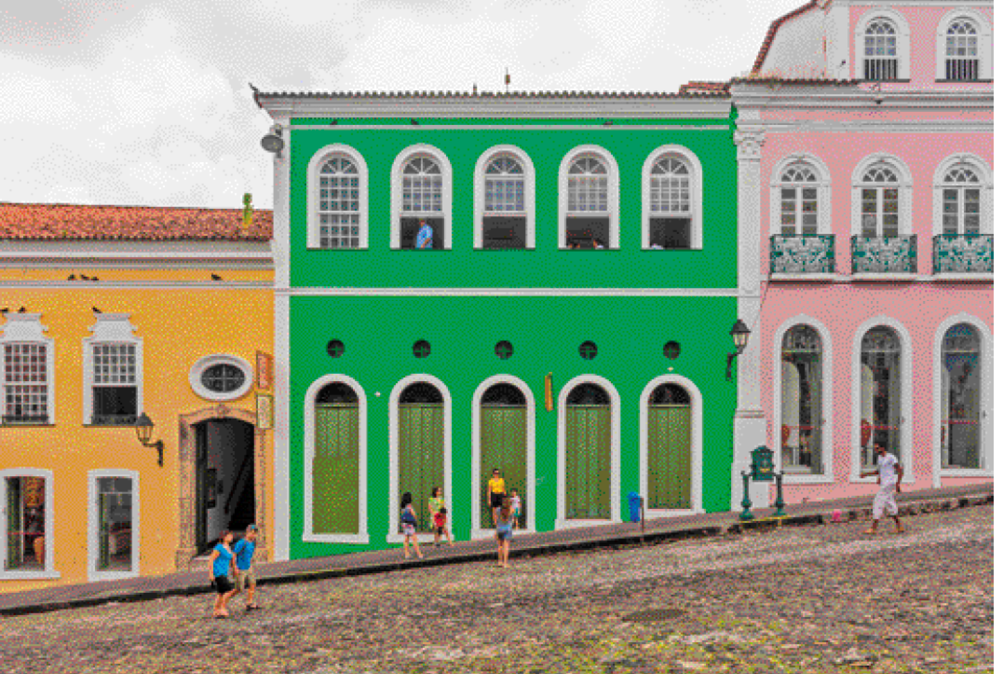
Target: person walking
{"x": 890, "y": 475}
{"x": 409, "y": 522}
{"x": 503, "y": 531}
{"x": 437, "y": 516}
{"x": 517, "y": 508}
{"x": 424, "y": 239}
{"x": 244, "y": 561}
{"x": 221, "y": 563}
{"x": 496, "y": 492}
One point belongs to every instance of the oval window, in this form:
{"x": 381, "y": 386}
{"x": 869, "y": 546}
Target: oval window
{"x": 221, "y": 377}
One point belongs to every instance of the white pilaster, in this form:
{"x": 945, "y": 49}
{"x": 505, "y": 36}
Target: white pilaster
{"x": 280, "y": 249}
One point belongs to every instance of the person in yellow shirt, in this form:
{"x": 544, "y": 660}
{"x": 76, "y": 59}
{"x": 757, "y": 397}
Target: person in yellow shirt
{"x": 496, "y": 492}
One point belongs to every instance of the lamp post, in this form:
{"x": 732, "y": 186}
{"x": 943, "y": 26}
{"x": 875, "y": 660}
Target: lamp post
{"x": 144, "y": 431}
{"x": 740, "y": 337}
{"x": 761, "y": 470}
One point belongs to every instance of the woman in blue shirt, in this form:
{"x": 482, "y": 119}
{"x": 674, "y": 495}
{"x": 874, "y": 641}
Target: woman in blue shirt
{"x": 220, "y": 564}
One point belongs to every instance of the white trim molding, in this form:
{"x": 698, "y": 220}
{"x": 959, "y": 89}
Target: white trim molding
{"x": 826, "y": 476}
{"x": 902, "y": 40}
{"x": 696, "y": 444}
{"x": 49, "y": 572}
{"x": 984, "y": 41}
{"x": 110, "y": 329}
{"x": 615, "y": 451}
{"x": 280, "y": 440}
{"x": 309, "y": 449}
{"x": 824, "y": 186}
{"x": 195, "y": 376}
{"x": 477, "y": 489}
{"x": 529, "y": 192}
{"x": 905, "y": 187}
{"x": 27, "y": 327}
{"x": 613, "y": 193}
{"x": 696, "y": 193}
{"x": 986, "y": 399}
{"x": 906, "y": 457}
{"x": 982, "y": 169}
{"x": 314, "y": 193}
{"x": 394, "y": 444}
{"x": 93, "y": 574}
{"x": 397, "y": 192}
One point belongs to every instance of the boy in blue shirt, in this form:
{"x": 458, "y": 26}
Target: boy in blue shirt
{"x": 243, "y": 558}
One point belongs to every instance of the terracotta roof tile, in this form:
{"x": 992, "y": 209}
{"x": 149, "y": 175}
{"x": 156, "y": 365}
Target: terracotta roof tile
{"x": 772, "y": 31}
{"x": 699, "y": 87}
{"x": 501, "y": 95}
{"x": 802, "y": 81}
{"x": 130, "y": 223}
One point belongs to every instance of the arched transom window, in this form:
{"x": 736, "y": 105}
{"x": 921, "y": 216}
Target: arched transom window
{"x": 422, "y": 186}
{"x": 880, "y": 51}
{"x": 799, "y": 201}
{"x": 962, "y": 51}
{"x": 802, "y": 400}
{"x": 504, "y": 184}
{"x": 671, "y": 204}
{"x": 587, "y": 186}
{"x": 880, "y": 203}
{"x": 504, "y": 206}
{"x": 881, "y": 394}
{"x": 339, "y": 207}
{"x": 960, "y": 203}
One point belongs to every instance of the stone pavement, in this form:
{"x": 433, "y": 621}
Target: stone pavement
{"x": 808, "y": 599}
{"x": 526, "y": 544}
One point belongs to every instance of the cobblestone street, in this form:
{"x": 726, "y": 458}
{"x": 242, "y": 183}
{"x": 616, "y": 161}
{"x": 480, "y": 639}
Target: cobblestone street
{"x": 801, "y": 599}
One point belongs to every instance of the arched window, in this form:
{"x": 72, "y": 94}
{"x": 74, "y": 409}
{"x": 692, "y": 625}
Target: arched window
{"x": 882, "y": 198}
{"x": 802, "y": 400}
{"x": 504, "y": 199}
{"x": 672, "y": 200}
{"x": 882, "y": 52}
{"x": 962, "y": 56}
{"x": 422, "y": 200}
{"x": 961, "y": 404}
{"x": 963, "y": 201}
{"x": 588, "y": 208}
{"x": 337, "y": 198}
{"x": 799, "y": 201}
{"x": 881, "y": 394}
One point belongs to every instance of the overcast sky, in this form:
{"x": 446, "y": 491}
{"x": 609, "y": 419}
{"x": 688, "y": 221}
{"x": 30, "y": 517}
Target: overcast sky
{"x": 147, "y": 103}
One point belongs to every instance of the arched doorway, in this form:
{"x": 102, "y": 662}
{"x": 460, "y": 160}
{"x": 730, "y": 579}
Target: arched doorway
{"x": 503, "y": 422}
{"x": 335, "y": 469}
{"x": 668, "y": 455}
{"x": 588, "y": 452}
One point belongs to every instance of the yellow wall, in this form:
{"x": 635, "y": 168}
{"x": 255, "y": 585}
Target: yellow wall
{"x": 178, "y": 326}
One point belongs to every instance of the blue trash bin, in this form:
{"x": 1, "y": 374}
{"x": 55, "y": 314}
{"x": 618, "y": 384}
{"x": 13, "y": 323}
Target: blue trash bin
{"x": 634, "y": 506}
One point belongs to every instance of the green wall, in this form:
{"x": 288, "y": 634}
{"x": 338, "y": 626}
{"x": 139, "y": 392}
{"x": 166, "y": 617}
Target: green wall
{"x": 630, "y": 332}
{"x": 546, "y": 266}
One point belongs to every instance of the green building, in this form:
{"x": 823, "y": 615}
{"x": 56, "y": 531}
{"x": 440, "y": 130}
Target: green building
{"x": 567, "y": 321}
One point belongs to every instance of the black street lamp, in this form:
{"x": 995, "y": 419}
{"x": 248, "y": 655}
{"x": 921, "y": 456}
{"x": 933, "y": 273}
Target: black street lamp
{"x": 144, "y": 431}
{"x": 740, "y": 337}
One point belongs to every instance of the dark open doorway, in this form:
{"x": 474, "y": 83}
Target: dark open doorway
{"x": 224, "y": 479}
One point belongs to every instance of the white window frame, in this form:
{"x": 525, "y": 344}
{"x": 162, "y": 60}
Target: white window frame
{"x": 826, "y": 477}
{"x": 529, "y": 192}
{"x": 906, "y": 397}
{"x": 984, "y": 48}
{"x": 615, "y": 452}
{"x": 309, "y": 450}
{"x": 696, "y": 193}
{"x": 113, "y": 329}
{"x": 28, "y": 328}
{"x": 902, "y": 41}
{"x": 317, "y": 162}
{"x": 397, "y": 192}
{"x": 824, "y": 186}
{"x": 905, "y": 187}
{"x": 478, "y": 489}
{"x": 49, "y": 571}
{"x": 395, "y": 453}
{"x": 195, "y": 376}
{"x": 93, "y": 517}
{"x": 613, "y": 194}
{"x": 696, "y": 445}
{"x": 986, "y": 399}
{"x": 982, "y": 169}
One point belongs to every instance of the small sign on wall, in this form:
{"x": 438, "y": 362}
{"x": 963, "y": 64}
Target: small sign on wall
{"x": 265, "y": 408}
{"x": 263, "y": 369}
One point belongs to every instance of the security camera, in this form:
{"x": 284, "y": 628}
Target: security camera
{"x": 272, "y": 141}
{"x": 879, "y": 98}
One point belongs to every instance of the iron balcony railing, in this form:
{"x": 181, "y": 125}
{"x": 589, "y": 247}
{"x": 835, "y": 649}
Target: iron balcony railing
{"x": 884, "y": 255}
{"x": 963, "y": 254}
{"x": 801, "y": 254}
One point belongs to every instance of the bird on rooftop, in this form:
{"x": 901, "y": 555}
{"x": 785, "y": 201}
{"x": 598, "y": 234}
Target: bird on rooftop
{"x": 334, "y": 122}
{"x": 4, "y": 310}
{"x": 414, "y": 122}
{"x": 216, "y": 277}
{"x": 72, "y": 277}
{"x": 608, "y": 123}
{"x": 96, "y": 310}
{"x": 22, "y": 310}
{"x": 84, "y": 278}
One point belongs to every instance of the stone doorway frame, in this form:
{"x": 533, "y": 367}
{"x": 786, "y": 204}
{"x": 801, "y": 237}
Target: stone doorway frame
{"x": 187, "y": 546}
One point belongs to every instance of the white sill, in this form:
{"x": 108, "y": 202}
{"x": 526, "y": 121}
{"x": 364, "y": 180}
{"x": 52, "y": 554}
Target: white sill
{"x": 658, "y": 514}
{"x": 856, "y": 479}
{"x": 96, "y": 576}
{"x": 880, "y": 276}
{"x": 814, "y": 277}
{"x": 571, "y": 524}
{"x": 804, "y": 478}
{"x": 357, "y": 539}
{"x": 489, "y": 533}
{"x": 29, "y": 575}
{"x": 963, "y": 278}
{"x": 965, "y": 472}
{"x": 422, "y": 538}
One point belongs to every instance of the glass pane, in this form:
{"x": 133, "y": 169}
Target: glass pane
{"x": 801, "y": 401}
{"x": 26, "y": 535}
{"x": 960, "y": 399}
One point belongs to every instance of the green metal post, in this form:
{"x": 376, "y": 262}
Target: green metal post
{"x": 746, "y": 514}
{"x": 780, "y": 499}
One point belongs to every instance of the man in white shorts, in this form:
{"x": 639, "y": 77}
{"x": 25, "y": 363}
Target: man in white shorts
{"x": 890, "y": 474}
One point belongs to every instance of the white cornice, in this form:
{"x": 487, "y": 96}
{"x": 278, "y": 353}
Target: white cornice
{"x": 843, "y": 97}
{"x": 512, "y": 127}
{"x": 510, "y": 292}
{"x": 78, "y": 286}
{"x": 873, "y": 126}
{"x": 135, "y": 254}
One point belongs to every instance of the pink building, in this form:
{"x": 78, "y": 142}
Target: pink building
{"x": 865, "y": 145}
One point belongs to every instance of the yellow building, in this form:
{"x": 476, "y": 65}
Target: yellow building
{"x": 112, "y": 316}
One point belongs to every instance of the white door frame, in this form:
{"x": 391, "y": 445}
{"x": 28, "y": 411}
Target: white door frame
{"x": 93, "y": 516}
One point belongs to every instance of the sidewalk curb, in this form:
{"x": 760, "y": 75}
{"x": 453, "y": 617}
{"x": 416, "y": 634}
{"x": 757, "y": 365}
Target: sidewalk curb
{"x": 626, "y": 540}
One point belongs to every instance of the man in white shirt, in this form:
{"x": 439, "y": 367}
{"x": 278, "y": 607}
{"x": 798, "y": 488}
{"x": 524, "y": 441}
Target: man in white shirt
{"x": 890, "y": 474}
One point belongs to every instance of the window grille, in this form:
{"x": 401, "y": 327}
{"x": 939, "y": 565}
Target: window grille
{"x": 26, "y": 383}
{"x": 422, "y": 186}
{"x": 587, "y": 186}
{"x": 114, "y": 384}
{"x": 222, "y": 378}
{"x": 504, "y": 186}
{"x": 799, "y": 202}
{"x": 880, "y": 203}
{"x": 339, "y": 203}
{"x": 670, "y": 185}
{"x": 962, "y": 61}
{"x": 881, "y": 61}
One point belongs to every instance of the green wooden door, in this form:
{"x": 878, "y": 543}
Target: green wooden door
{"x": 668, "y": 457}
{"x": 587, "y": 462}
{"x": 420, "y": 455}
{"x": 503, "y": 446}
{"x": 336, "y": 468}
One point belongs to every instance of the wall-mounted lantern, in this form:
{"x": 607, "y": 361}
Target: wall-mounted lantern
{"x": 144, "y": 431}
{"x": 740, "y": 337}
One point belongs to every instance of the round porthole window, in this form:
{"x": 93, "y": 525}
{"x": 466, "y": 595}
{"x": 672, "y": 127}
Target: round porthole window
{"x": 671, "y": 350}
{"x": 422, "y": 349}
{"x": 588, "y": 350}
{"x": 504, "y": 350}
{"x": 221, "y": 377}
{"x": 336, "y": 348}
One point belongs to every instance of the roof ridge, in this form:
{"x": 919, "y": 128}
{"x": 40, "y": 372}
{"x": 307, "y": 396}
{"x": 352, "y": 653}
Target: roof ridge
{"x": 772, "y": 31}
